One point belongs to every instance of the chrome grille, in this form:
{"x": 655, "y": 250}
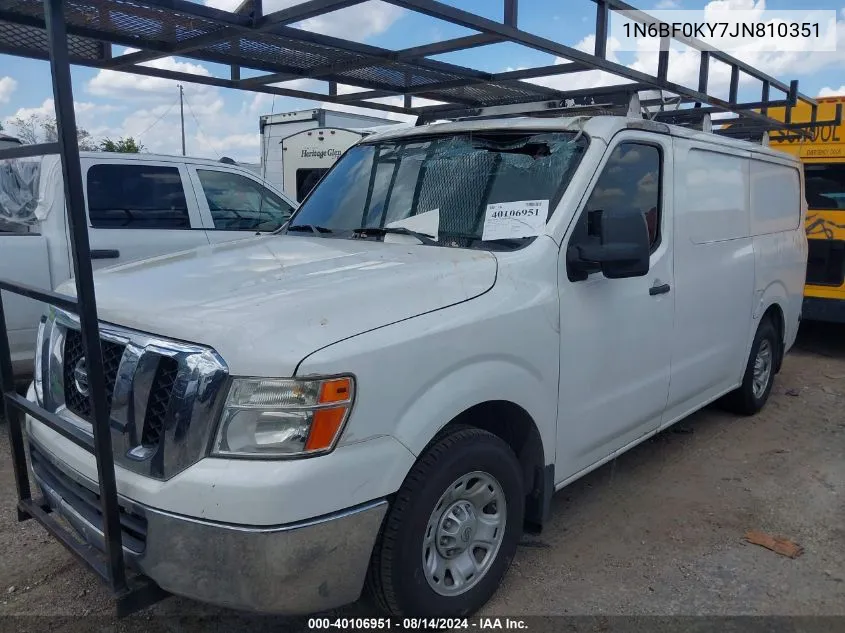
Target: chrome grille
{"x": 74, "y": 353}
{"x": 159, "y": 401}
{"x": 163, "y": 396}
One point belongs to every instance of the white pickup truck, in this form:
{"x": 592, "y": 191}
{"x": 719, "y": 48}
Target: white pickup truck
{"x": 139, "y": 206}
{"x": 458, "y": 321}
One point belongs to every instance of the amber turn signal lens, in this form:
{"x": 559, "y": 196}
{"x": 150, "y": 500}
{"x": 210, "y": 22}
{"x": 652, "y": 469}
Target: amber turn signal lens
{"x": 335, "y": 390}
{"x": 324, "y": 427}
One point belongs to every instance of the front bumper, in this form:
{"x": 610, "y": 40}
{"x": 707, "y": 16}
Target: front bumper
{"x": 823, "y": 309}
{"x": 298, "y": 568}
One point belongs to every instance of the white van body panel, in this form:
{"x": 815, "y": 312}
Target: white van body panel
{"x": 714, "y": 273}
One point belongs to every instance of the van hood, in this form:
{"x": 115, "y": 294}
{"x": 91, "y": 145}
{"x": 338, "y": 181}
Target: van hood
{"x": 265, "y": 303}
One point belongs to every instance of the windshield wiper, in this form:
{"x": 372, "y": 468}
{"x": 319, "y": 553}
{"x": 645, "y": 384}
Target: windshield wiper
{"x": 425, "y": 238}
{"x": 316, "y": 230}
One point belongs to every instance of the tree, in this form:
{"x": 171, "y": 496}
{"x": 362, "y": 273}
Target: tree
{"x": 126, "y": 145}
{"x": 39, "y": 128}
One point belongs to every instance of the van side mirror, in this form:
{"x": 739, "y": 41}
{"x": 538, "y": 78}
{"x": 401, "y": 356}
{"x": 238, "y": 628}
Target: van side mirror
{"x": 623, "y": 249}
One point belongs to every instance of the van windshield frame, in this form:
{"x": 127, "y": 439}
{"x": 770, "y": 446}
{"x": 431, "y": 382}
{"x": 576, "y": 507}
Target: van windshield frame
{"x": 440, "y": 185}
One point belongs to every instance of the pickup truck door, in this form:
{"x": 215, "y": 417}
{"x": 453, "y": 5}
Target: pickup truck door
{"x": 234, "y": 205}
{"x": 138, "y": 209}
{"x": 615, "y": 333}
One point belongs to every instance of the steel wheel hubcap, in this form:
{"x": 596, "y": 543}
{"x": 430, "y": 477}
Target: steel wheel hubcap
{"x": 464, "y": 533}
{"x": 762, "y": 369}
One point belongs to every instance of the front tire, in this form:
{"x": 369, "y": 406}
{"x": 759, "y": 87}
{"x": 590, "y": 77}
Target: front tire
{"x": 759, "y": 375}
{"x": 452, "y": 530}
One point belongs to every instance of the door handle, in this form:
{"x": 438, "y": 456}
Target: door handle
{"x": 659, "y": 289}
{"x": 105, "y": 253}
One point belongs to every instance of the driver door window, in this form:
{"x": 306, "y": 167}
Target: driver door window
{"x": 629, "y": 183}
{"x": 238, "y": 203}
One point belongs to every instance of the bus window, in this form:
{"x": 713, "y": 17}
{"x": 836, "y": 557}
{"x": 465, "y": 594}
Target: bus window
{"x": 825, "y": 186}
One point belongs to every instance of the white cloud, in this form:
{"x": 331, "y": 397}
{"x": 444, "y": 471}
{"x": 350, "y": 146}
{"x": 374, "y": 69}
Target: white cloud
{"x": 358, "y": 22}
{"x": 89, "y": 116}
{"x": 118, "y": 85}
{"x": 7, "y": 87}
{"x": 827, "y": 91}
{"x": 668, "y": 4}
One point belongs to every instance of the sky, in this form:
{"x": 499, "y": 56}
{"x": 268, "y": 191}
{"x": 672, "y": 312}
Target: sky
{"x": 222, "y": 122}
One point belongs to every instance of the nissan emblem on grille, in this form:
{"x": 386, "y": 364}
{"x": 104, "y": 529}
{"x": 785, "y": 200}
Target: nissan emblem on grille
{"x": 80, "y": 377}
{"x": 159, "y": 393}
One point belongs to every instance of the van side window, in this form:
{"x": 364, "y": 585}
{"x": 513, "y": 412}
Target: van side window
{"x": 136, "y": 197}
{"x": 630, "y": 183}
{"x": 238, "y": 203}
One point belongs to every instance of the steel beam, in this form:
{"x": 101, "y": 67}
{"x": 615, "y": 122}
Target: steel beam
{"x": 511, "y": 12}
{"x": 263, "y": 24}
{"x": 621, "y": 5}
{"x": 602, "y": 23}
{"x": 83, "y": 274}
{"x": 470, "y": 20}
{"x": 447, "y": 46}
{"x": 24, "y": 151}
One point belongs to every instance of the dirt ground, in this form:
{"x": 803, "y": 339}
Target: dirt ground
{"x": 657, "y": 532}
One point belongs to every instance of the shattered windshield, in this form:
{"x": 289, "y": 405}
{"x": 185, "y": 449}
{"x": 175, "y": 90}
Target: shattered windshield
{"x": 494, "y": 190}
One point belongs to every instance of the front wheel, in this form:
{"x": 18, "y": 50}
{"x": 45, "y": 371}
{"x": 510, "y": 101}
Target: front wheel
{"x": 452, "y": 530}
{"x": 759, "y": 375}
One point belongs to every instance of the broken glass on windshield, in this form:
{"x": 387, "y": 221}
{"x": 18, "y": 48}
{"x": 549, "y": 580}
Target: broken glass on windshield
{"x": 451, "y": 188}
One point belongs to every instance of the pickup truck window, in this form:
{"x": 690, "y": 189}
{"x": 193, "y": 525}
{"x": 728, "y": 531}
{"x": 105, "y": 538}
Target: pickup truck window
{"x": 448, "y": 180}
{"x": 238, "y": 203}
{"x": 136, "y": 197}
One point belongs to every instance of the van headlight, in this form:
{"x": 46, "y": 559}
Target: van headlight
{"x": 273, "y": 417}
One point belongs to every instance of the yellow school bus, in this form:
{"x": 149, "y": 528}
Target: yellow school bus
{"x": 823, "y": 157}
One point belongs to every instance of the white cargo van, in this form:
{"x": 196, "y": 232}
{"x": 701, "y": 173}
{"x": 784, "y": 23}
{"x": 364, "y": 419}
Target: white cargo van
{"x": 459, "y": 320}
{"x": 138, "y": 205}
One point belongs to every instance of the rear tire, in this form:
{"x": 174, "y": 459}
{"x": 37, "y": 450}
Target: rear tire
{"x": 463, "y": 495}
{"x": 760, "y": 371}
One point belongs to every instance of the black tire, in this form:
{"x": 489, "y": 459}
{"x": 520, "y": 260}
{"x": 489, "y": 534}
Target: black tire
{"x": 396, "y": 580}
{"x": 742, "y": 400}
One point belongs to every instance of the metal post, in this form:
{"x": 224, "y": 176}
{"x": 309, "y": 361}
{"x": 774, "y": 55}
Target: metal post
{"x": 511, "y": 10}
{"x": 765, "y": 98}
{"x": 81, "y": 254}
{"x": 182, "y": 116}
{"x": 703, "y": 74}
{"x": 602, "y": 19}
{"x": 13, "y": 415}
{"x": 663, "y": 59}
{"x": 734, "y": 89}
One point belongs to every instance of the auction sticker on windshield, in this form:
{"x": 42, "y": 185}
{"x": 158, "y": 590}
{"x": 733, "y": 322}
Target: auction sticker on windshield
{"x": 523, "y": 218}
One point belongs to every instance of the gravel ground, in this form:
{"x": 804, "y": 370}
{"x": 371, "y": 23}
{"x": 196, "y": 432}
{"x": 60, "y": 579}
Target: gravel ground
{"x": 657, "y": 532}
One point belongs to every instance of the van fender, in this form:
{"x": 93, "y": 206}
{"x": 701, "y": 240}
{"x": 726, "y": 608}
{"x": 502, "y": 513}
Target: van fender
{"x": 774, "y": 294}
{"x": 474, "y": 381}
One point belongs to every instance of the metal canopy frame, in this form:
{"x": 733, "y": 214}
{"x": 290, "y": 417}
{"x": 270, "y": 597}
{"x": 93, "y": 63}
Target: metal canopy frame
{"x": 83, "y": 32}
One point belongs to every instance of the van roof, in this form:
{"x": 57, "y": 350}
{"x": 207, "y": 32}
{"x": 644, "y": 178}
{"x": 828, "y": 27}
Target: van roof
{"x": 603, "y": 127}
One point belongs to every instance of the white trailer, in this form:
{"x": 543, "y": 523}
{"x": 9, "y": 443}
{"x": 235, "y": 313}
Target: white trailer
{"x": 297, "y": 148}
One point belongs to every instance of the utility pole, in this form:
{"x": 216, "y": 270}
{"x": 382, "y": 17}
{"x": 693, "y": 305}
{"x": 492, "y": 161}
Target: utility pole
{"x": 182, "y": 116}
